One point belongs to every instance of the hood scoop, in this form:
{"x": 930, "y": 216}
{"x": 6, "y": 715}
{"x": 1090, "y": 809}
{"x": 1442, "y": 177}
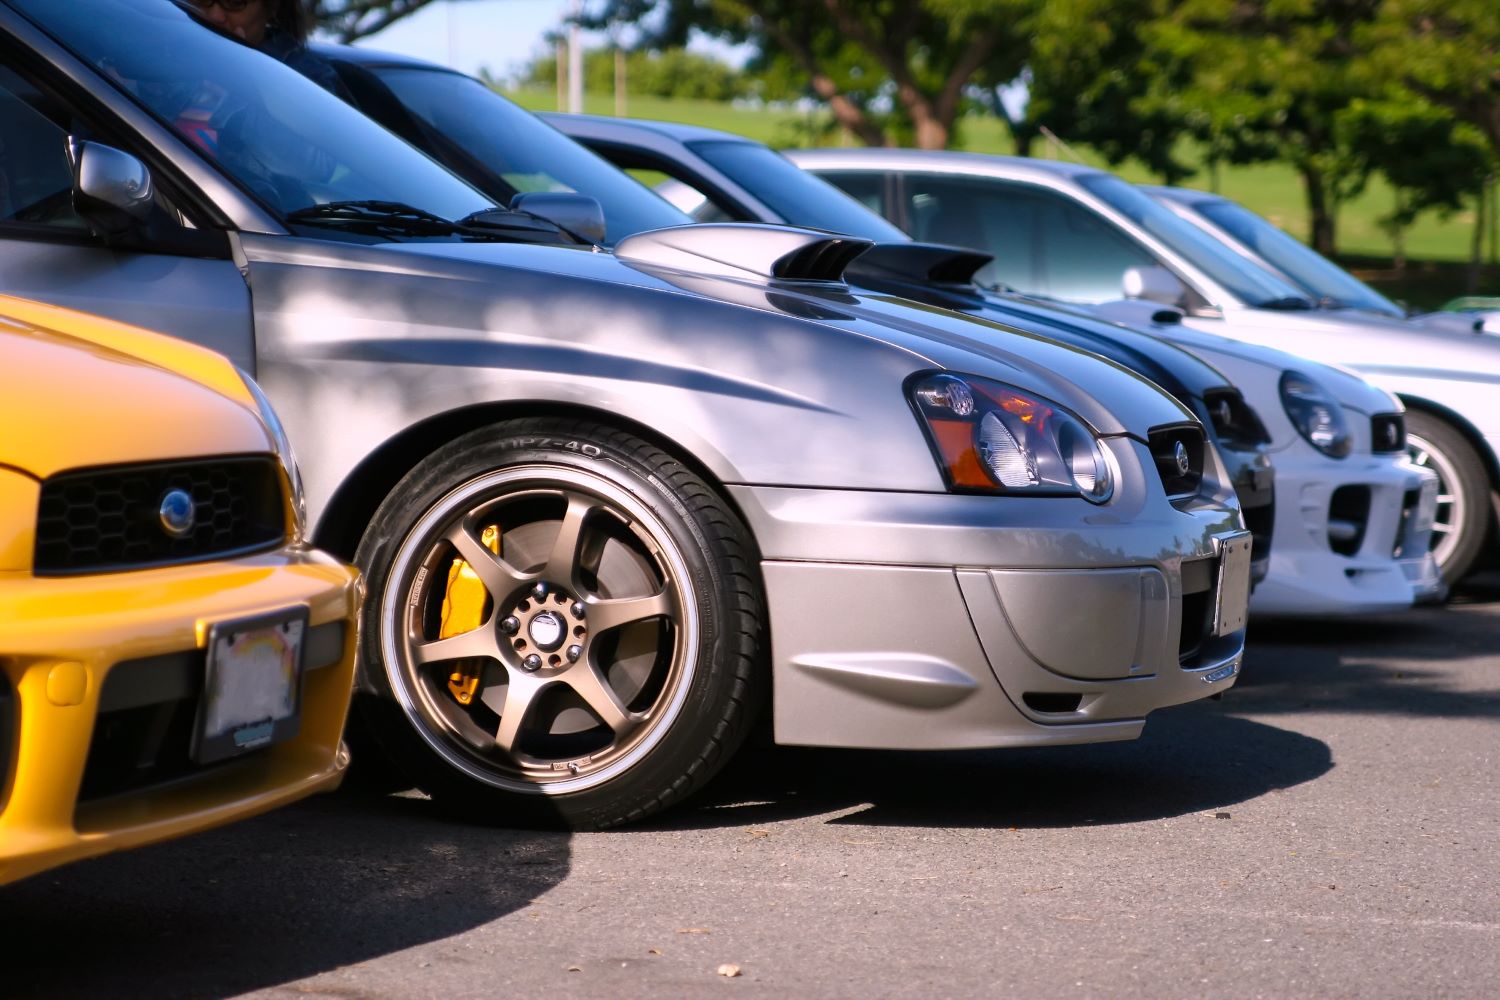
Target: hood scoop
{"x": 779, "y": 253}
{"x": 922, "y": 263}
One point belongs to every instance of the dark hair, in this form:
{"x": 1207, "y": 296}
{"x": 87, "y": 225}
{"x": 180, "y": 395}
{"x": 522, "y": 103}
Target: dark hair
{"x": 291, "y": 17}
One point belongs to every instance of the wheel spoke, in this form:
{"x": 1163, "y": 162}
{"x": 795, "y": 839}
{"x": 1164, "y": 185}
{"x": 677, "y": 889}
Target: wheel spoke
{"x": 500, "y": 577}
{"x": 520, "y": 693}
{"x": 605, "y": 615}
{"x": 562, "y": 564}
{"x": 479, "y": 642}
{"x": 1441, "y": 527}
{"x": 599, "y": 696}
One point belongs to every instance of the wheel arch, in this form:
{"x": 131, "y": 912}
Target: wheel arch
{"x": 357, "y": 497}
{"x": 1461, "y": 424}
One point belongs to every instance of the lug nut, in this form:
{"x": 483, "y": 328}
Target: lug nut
{"x": 511, "y": 625}
{"x": 532, "y": 662}
{"x": 574, "y": 652}
{"x": 540, "y": 591}
{"x": 577, "y": 609}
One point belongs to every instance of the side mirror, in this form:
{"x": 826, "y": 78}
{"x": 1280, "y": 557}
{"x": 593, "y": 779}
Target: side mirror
{"x": 112, "y": 190}
{"x": 579, "y": 214}
{"x": 1155, "y": 284}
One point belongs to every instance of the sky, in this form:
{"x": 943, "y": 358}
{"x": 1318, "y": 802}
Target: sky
{"x": 498, "y": 35}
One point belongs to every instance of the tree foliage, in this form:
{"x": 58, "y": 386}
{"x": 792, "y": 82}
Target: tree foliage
{"x": 673, "y": 72}
{"x": 348, "y": 20}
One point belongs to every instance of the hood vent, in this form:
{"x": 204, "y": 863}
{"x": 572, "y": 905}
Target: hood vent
{"x": 923, "y": 263}
{"x": 779, "y": 253}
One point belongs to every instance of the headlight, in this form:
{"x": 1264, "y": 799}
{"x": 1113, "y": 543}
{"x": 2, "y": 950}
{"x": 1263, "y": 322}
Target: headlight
{"x": 1316, "y": 414}
{"x": 991, "y": 438}
{"x": 284, "y": 452}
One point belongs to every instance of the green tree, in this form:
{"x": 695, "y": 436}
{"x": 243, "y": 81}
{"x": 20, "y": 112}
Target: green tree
{"x": 348, "y": 20}
{"x": 885, "y": 68}
{"x": 672, "y": 72}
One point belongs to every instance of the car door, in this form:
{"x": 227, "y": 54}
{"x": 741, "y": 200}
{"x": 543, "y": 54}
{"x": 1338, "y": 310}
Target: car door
{"x": 180, "y": 280}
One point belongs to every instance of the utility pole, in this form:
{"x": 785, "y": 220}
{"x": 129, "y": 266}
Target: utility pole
{"x": 575, "y": 61}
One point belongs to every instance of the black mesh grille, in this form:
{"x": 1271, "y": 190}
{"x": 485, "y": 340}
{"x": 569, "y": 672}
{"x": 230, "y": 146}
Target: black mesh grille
{"x": 96, "y": 520}
{"x": 1179, "y": 480}
{"x": 1236, "y": 424}
{"x": 1387, "y": 432}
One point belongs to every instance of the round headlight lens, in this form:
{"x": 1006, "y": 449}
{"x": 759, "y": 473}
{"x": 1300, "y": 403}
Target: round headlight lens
{"x": 1317, "y": 416}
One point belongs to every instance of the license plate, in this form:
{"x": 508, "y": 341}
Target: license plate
{"x": 1232, "y": 607}
{"x": 1427, "y": 506}
{"x": 252, "y": 686}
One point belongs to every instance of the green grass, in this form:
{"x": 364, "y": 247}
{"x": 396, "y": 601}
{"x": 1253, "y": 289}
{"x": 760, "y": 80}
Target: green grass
{"x": 1272, "y": 190}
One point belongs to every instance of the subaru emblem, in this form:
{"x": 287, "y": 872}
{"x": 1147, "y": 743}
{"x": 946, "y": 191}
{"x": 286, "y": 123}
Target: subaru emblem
{"x": 178, "y": 513}
{"x": 1184, "y": 465}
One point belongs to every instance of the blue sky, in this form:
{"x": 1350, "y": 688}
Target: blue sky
{"x": 499, "y": 35}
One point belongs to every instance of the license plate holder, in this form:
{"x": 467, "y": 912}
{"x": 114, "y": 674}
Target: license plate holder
{"x": 252, "y": 685}
{"x": 1232, "y": 601}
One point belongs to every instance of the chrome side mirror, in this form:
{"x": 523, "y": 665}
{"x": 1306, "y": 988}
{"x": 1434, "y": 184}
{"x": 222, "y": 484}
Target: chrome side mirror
{"x": 111, "y": 188}
{"x": 1155, "y": 284}
{"x": 579, "y": 214}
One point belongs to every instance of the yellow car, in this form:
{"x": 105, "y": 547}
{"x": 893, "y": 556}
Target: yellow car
{"x": 172, "y": 655}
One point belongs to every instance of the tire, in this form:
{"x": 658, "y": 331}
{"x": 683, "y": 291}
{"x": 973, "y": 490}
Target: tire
{"x": 1461, "y": 526}
{"x": 579, "y": 712}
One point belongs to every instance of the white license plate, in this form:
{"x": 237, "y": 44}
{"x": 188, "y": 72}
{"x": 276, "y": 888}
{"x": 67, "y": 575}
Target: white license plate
{"x": 1232, "y": 607}
{"x": 252, "y": 685}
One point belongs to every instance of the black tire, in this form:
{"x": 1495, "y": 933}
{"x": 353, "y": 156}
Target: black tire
{"x": 1463, "y": 515}
{"x": 679, "y": 652}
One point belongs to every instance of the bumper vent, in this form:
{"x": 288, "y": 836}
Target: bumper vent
{"x": 1178, "y": 452}
{"x": 1348, "y": 517}
{"x": 100, "y": 520}
{"x": 1235, "y": 423}
{"x": 1387, "y": 432}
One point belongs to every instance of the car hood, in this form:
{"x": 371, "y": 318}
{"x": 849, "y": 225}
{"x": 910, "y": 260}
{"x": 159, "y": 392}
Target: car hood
{"x": 1112, "y": 399}
{"x": 78, "y": 391}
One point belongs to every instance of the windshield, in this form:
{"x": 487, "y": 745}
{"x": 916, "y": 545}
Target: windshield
{"x": 281, "y": 136}
{"x": 791, "y": 192}
{"x": 1316, "y": 274}
{"x": 515, "y": 151}
{"x": 1250, "y": 284}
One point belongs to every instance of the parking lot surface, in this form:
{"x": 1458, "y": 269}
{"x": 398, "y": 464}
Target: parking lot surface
{"x": 1331, "y": 828}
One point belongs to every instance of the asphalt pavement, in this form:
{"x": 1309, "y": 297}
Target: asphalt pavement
{"x": 1330, "y": 829}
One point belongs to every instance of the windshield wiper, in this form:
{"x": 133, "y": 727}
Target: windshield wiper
{"x": 372, "y": 212}
{"x": 1286, "y": 302}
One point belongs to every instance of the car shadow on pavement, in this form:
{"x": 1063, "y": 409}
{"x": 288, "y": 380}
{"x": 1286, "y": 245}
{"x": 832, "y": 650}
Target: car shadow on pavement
{"x": 335, "y": 880}
{"x": 1191, "y": 759}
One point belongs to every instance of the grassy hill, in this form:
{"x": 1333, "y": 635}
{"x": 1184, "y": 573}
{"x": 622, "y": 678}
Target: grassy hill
{"x": 1272, "y": 190}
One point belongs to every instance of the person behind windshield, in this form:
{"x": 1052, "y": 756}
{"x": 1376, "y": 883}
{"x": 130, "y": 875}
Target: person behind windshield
{"x": 279, "y": 28}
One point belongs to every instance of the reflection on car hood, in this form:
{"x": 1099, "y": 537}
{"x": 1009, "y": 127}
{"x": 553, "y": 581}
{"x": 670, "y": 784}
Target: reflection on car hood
{"x": 1111, "y": 398}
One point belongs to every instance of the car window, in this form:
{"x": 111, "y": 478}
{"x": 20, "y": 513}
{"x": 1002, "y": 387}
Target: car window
{"x": 36, "y": 182}
{"x": 1082, "y": 257}
{"x": 1000, "y": 219}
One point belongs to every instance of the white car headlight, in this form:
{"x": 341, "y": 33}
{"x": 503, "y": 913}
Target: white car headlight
{"x": 284, "y": 452}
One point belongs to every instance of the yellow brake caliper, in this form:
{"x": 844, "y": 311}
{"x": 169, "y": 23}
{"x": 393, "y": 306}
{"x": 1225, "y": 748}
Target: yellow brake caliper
{"x": 464, "y": 606}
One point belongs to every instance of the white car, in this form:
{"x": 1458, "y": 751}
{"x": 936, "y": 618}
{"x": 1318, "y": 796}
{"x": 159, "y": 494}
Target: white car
{"x": 1089, "y": 234}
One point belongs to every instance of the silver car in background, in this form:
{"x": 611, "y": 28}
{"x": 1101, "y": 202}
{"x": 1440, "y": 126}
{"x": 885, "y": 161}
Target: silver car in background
{"x": 604, "y": 501}
{"x": 1352, "y": 525}
{"x": 1094, "y": 236}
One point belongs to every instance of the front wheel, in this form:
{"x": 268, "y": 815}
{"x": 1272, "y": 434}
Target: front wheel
{"x": 1461, "y": 523}
{"x": 564, "y": 626}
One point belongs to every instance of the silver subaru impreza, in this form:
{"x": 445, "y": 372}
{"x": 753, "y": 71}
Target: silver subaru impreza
{"x": 604, "y": 502}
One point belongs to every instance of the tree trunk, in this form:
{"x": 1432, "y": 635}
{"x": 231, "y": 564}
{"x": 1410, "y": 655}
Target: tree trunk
{"x": 1319, "y": 211}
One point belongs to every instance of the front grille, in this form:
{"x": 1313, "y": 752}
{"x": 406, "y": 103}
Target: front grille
{"x": 1235, "y": 423}
{"x": 99, "y": 520}
{"x": 1199, "y": 578}
{"x": 1348, "y": 517}
{"x": 1179, "y": 480}
{"x": 1387, "y": 432}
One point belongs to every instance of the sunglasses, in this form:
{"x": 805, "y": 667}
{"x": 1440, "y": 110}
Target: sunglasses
{"x": 232, "y": 6}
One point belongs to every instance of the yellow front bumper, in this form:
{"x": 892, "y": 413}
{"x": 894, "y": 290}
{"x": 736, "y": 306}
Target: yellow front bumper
{"x": 60, "y": 639}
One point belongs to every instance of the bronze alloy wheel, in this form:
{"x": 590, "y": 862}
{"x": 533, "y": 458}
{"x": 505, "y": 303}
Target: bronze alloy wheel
{"x": 564, "y": 626}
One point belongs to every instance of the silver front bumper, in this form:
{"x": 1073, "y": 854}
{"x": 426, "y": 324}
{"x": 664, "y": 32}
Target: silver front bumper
{"x": 1028, "y": 622}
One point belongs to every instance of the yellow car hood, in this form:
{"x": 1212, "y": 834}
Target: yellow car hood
{"x": 78, "y": 391}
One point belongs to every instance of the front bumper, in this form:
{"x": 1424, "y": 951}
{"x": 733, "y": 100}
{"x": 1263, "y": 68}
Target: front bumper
{"x": 1351, "y": 536}
{"x": 101, "y": 672}
{"x": 921, "y": 621}
{"x": 1254, "y": 481}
